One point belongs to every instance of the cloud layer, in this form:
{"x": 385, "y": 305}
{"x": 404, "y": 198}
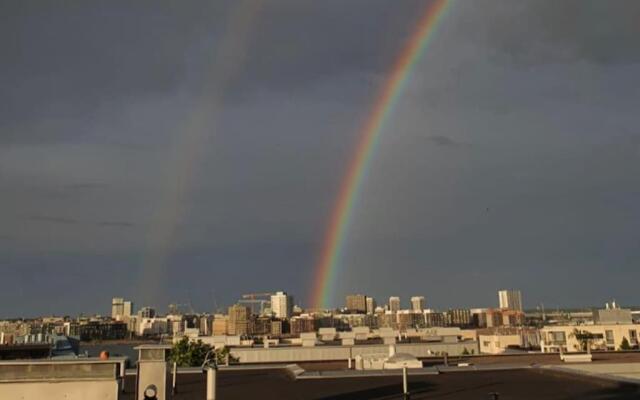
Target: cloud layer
{"x": 526, "y": 109}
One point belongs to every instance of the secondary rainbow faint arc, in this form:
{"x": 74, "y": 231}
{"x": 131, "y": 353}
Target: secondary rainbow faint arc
{"x": 326, "y": 268}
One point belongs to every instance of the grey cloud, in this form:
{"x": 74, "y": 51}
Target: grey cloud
{"x": 542, "y": 32}
{"x": 116, "y": 224}
{"x": 53, "y": 219}
{"x": 84, "y": 186}
{"x": 540, "y": 95}
{"x": 444, "y": 141}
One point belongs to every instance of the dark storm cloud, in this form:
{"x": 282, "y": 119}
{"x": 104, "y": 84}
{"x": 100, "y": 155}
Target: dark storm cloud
{"x": 53, "y": 219}
{"x": 84, "y": 186}
{"x": 115, "y": 224}
{"x": 97, "y": 98}
{"x": 541, "y": 32}
{"x": 444, "y": 141}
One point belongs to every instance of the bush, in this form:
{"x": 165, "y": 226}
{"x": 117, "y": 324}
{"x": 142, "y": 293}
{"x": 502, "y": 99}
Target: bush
{"x": 624, "y": 345}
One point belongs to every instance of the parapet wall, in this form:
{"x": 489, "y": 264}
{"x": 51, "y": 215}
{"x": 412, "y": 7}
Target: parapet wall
{"x": 339, "y": 353}
{"x": 55, "y": 380}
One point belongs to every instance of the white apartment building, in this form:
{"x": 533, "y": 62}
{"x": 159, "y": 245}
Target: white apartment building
{"x": 281, "y": 305}
{"x": 417, "y": 303}
{"x": 394, "y": 304}
{"x": 510, "y": 299}
{"x": 602, "y": 337}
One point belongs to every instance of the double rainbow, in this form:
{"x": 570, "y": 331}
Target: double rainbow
{"x": 326, "y": 268}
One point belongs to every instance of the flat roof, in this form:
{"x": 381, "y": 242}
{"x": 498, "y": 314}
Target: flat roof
{"x": 522, "y": 384}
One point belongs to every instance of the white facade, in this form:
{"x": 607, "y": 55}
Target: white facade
{"x": 281, "y": 305}
{"x": 128, "y": 309}
{"x": 394, "y": 304}
{"x": 117, "y": 307}
{"x": 153, "y": 326}
{"x": 417, "y": 303}
{"x": 510, "y": 299}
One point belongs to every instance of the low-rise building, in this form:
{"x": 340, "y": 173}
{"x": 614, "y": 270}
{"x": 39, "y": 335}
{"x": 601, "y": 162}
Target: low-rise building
{"x": 574, "y": 338}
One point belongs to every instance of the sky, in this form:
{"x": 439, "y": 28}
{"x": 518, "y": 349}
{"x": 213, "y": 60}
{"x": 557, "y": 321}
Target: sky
{"x": 175, "y": 152}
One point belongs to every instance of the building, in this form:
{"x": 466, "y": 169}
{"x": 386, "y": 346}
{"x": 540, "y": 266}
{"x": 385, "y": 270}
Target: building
{"x": 434, "y": 319}
{"x": 394, "y": 304}
{"x": 508, "y": 340}
{"x": 154, "y": 326}
{"x": 127, "y": 309}
{"x": 572, "y": 338}
{"x": 279, "y": 327}
{"x": 146, "y": 312}
{"x": 120, "y": 309}
{"x": 409, "y": 319}
{"x": 220, "y": 325}
{"x": 387, "y": 320}
{"x": 417, "y": 303}
{"x": 281, "y": 305}
{"x": 459, "y": 317}
{"x": 510, "y": 299}
{"x": 117, "y": 307}
{"x": 612, "y": 315}
{"x": 302, "y": 324}
{"x": 260, "y": 326}
{"x": 356, "y": 303}
{"x": 239, "y": 320}
{"x": 101, "y": 330}
{"x": 371, "y": 305}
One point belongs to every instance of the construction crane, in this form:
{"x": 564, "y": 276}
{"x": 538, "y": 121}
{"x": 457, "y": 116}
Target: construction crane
{"x": 177, "y": 308}
{"x": 252, "y": 299}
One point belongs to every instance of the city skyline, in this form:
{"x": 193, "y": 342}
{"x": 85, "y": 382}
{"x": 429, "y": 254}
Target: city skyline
{"x": 196, "y": 153}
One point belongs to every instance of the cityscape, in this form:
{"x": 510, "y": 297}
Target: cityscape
{"x": 319, "y": 200}
{"x": 271, "y": 319}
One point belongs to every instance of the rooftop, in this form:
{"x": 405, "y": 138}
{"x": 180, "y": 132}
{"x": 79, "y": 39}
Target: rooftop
{"x": 522, "y": 384}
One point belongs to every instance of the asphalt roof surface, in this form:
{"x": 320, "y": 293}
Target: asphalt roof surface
{"x": 521, "y": 384}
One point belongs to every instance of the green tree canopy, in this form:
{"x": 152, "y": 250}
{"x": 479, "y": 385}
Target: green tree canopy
{"x": 188, "y": 353}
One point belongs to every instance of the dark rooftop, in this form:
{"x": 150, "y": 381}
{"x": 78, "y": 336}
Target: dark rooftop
{"x": 521, "y": 384}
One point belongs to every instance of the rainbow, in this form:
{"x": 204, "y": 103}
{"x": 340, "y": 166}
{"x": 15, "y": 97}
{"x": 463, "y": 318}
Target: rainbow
{"x": 187, "y": 150}
{"x": 327, "y": 265}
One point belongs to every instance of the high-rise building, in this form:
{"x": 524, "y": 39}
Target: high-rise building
{"x": 239, "y": 319}
{"x": 394, "y": 304}
{"x": 417, "y": 303}
{"x": 357, "y": 303}
{"x": 147, "y": 312}
{"x": 510, "y": 299}
{"x": 117, "y": 307}
{"x": 281, "y": 305}
{"x": 220, "y": 325}
{"x": 127, "y": 309}
{"x": 121, "y": 309}
{"x": 371, "y": 305}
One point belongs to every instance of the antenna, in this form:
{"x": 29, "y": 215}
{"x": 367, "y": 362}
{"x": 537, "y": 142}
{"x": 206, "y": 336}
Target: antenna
{"x": 216, "y": 308}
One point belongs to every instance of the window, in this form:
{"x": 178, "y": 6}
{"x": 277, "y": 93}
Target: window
{"x": 558, "y": 337}
{"x": 633, "y": 336}
{"x": 609, "y": 336}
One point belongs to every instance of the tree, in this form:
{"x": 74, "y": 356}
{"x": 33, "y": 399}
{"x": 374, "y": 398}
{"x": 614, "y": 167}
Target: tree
{"x": 585, "y": 338}
{"x": 624, "y": 345}
{"x": 465, "y": 352}
{"x": 187, "y": 353}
